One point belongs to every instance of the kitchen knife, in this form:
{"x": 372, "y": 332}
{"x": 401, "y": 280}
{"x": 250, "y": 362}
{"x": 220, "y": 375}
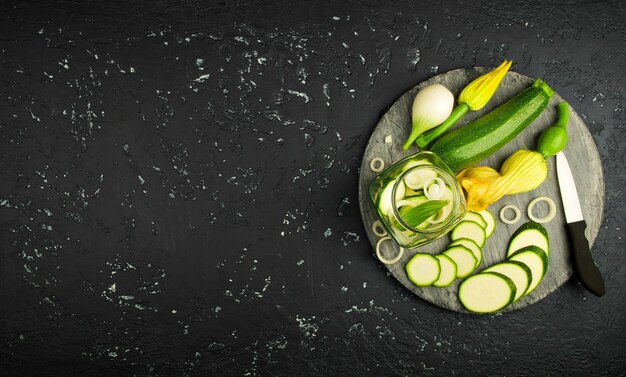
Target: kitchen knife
{"x": 585, "y": 268}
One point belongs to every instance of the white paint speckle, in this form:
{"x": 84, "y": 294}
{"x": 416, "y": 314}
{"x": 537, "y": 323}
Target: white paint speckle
{"x": 306, "y": 97}
{"x": 202, "y": 78}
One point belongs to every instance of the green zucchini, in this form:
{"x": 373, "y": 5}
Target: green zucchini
{"x": 481, "y": 138}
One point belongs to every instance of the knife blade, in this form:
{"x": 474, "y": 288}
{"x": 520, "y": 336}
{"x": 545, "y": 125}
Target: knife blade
{"x": 585, "y": 268}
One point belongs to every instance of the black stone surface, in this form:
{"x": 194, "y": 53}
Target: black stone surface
{"x": 178, "y": 187}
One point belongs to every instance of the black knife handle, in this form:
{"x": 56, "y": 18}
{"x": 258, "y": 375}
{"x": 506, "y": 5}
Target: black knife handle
{"x": 587, "y": 271}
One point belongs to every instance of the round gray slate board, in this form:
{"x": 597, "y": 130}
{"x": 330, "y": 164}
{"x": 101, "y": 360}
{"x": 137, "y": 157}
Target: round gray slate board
{"x": 580, "y": 151}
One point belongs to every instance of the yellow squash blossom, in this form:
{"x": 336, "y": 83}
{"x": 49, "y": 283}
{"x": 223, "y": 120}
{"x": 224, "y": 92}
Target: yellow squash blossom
{"x": 479, "y": 92}
{"x": 521, "y": 172}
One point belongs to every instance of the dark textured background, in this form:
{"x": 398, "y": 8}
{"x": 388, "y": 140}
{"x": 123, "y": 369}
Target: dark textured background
{"x": 178, "y": 187}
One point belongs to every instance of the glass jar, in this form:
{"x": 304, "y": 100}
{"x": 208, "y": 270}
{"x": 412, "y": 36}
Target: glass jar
{"x": 417, "y": 199}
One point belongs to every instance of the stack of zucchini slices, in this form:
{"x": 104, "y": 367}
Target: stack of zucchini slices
{"x": 496, "y": 286}
{"x": 504, "y": 283}
{"x": 460, "y": 259}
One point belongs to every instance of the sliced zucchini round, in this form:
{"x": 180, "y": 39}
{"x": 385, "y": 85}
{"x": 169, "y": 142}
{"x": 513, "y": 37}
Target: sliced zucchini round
{"x": 486, "y": 292}
{"x": 423, "y": 270}
{"x": 463, "y": 258}
{"x": 475, "y": 217}
{"x": 471, "y": 245}
{"x": 448, "y": 271}
{"x": 471, "y": 230}
{"x": 490, "y": 220}
{"x": 536, "y": 260}
{"x": 518, "y": 272}
{"x": 529, "y": 234}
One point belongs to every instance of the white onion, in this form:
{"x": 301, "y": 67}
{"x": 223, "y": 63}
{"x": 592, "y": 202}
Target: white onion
{"x": 431, "y": 106}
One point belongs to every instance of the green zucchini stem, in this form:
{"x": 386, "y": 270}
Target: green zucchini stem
{"x": 553, "y": 139}
{"x": 562, "y": 115}
{"x": 539, "y": 83}
{"x": 457, "y": 113}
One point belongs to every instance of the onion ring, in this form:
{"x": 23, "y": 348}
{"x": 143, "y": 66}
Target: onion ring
{"x": 434, "y": 188}
{"x": 381, "y": 258}
{"x": 515, "y": 210}
{"x": 376, "y": 226}
{"x": 380, "y": 167}
{"x": 551, "y": 210}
